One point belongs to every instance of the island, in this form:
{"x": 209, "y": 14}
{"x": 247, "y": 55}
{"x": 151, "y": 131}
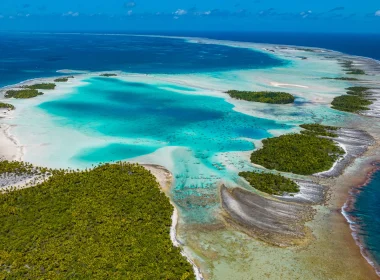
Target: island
{"x": 6, "y": 106}
{"x": 356, "y": 72}
{"x": 108, "y": 75}
{"x": 22, "y": 93}
{"x": 356, "y": 100}
{"x": 270, "y": 183}
{"x": 304, "y": 153}
{"x": 270, "y": 97}
{"x": 348, "y": 65}
{"x": 341, "y": 78}
{"x": 63, "y": 79}
{"x": 77, "y": 223}
{"x": 46, "y": 86}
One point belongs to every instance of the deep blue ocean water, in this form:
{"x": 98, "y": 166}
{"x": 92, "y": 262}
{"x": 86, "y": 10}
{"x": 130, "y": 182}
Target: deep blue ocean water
{"x": 26, "y": 56}
{"x": 366, "y": 216}
{"x": 367, "y": 45}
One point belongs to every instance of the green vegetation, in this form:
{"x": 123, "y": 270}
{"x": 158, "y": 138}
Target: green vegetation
{"x": 7, "y": 106}
{"x": 270, "y": 183}
{"x": 356, "y": 72}
{"x": 306, "y": 50}
{"x": 108, "y": 75}
{"x": 318, "y": 129}
{"x": 341, "y": 78}
{"x": 263, "y": 96}
{"x": 348, "y": 65}
{"x": 112, "y": 222}
{"x": 22, "y": 93}
{"x": 350, "y": 103}
{"x": 360, "y": 91}
{"x": 46, "y": 86}
{"x": 63, "y": 79}
{"x": 19, "y": 168}
{"x": 303, "y": 154}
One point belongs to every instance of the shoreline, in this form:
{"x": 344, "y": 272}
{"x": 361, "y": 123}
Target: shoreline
{"x": 175, "y": 216}
{"x": 165, "y": 179}
{"x": 349, "y": 206}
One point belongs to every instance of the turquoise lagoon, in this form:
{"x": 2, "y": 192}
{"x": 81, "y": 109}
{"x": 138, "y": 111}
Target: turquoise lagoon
{"x": 137, "y": 119}
{"x": 183, "y": 122}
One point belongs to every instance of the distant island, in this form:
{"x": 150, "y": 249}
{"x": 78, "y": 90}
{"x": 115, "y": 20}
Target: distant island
{"x": 341, "y": 78}
{"x": 270, "y": 97}
{"x": 29, "y": 91}
{"x": 348, "y": 65}
{"x": 63, "y": 79}
{"x": 7, "y": 106}
{"x": 22, "y": 93}
{"x": 46, "y": 86}
{"x": 108, "y": 75}
{"x": 356, "y": 100}
{"x": 304, "y": 154}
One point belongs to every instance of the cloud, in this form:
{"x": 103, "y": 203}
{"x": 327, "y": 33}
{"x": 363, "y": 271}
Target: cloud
{"x": 337, "y": 9}
{"x": 377, "y": 14}
{"x": 305, "y": 14}
{"x": 130, "y": 4}
{"x": 267, "y": 12}
{"x": 180, "y": 12}
{"x": 72, "y": 14}
{"x": 130, "y": 12}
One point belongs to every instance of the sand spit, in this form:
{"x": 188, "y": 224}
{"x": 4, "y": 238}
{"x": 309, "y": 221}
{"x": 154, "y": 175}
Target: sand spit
{"x": 273, "y": 221}
{"x": 355, "y": 142}
{"x": 310, "y": 193}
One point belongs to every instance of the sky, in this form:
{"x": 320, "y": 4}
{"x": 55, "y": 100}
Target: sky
{"x": 191, "y": 15}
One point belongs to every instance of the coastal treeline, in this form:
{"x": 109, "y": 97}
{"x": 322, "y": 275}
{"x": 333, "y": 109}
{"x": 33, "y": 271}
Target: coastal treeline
{"x": 108, "y": 75}
{"x": 341, "y": 78}
{"x": 263, "y": 96}
{"x": 46, "y": 86}
{"x": 270, "y": 183}
{"x": 22, "y": 93}
{"x": 29, "y": 91}
{"x": 7, "y": 106}
{"x": 348, "y": 65}
{"x": 110, "y": 222}
{"x": 304, "y": 153}
{"x": 356, "y": 100}
{"x": 63, "y": 79}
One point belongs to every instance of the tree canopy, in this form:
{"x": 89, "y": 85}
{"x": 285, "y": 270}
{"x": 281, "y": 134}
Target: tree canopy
{"x": 263, "y": 96}
{"x": 22, "y": 93}
{"x": 111, "y": 222}
{"x": 303, "y": 154}
{"x": 270, "y": 183}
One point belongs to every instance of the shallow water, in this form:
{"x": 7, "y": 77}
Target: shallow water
{"x": 146, "y": 117}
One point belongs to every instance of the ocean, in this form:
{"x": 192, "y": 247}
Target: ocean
{"x": 364, "y": 216}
